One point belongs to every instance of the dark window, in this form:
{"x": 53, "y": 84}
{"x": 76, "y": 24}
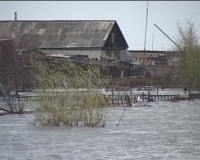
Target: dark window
{"x": 117, "y": 55}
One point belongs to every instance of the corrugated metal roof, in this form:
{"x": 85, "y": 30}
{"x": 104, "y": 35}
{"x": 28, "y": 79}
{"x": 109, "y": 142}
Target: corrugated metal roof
{"x": 58, "y": 34}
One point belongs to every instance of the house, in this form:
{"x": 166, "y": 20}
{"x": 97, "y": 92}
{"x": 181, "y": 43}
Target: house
{"x": 97, "y": 39}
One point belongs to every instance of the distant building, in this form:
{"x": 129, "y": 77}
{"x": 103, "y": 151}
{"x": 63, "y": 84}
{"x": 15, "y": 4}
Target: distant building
{"x": 155, "y": 63}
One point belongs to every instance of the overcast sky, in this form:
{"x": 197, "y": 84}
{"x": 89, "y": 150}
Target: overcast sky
{"x": 130, "y": 16}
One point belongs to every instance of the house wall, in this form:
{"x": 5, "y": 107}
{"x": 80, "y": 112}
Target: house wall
{"x": 116, "y": 55}
{"x": 90, "y": 53}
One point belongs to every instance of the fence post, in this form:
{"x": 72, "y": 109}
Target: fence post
{"x": 7, "y": 98}
{"x": 189, "y": 94}
{"x": 143, "y": 96}
{"x": 128, "y": 100}
{"x": 148, "y": 96}
{"x": 157, "y": 89}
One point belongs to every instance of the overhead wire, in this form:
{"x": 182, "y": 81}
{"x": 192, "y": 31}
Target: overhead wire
{"x": 139, "y": 31}
{"x": 153, "y": 38}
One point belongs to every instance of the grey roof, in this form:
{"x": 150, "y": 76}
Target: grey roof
{"x": 58, "y": 34}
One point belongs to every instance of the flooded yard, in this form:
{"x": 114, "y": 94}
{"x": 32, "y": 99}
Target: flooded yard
{"x": 165, "y": 130}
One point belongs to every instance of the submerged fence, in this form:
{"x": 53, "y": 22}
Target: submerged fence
{"x": 115, "y": 100}
{"x": 115, "y": 96}
{"x": 128, "y": 100}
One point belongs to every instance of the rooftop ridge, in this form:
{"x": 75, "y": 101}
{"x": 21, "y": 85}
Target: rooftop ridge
{"x": 58, "y": 20}
{"x": 61, "y": 33}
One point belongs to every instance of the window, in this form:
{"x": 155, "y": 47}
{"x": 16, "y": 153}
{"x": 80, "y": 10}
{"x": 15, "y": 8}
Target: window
{"x": 117, "y": 55}
{"x": 113, "y": 37}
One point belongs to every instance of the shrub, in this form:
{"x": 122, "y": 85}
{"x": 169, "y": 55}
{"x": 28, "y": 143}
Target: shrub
{"x": 75, "y": 94}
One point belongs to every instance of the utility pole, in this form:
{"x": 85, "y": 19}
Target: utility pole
{"x": 15, "y": 23}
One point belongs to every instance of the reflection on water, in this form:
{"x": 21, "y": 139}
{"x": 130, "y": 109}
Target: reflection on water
{"x": 166, "y": 130}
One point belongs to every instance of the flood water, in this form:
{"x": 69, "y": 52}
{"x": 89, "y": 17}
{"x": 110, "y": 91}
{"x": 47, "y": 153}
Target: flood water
{"x": 165, "y": 130}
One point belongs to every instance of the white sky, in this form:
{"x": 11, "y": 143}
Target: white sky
{"x": 130, "y": 16}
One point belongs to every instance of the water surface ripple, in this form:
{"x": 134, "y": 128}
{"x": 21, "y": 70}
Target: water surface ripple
{"x": 166, "y": 130}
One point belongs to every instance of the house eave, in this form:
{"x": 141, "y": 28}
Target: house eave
{"x": 73, "y": 48}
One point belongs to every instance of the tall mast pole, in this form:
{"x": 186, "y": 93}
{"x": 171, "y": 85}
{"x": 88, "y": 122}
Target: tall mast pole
{"x": 146, "y": 26}
{"x": 146, "y": 29}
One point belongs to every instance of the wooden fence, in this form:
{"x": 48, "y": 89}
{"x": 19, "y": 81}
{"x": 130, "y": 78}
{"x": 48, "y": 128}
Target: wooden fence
{"x": 116, "y": 100}
{"x": 128, "y": 100}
